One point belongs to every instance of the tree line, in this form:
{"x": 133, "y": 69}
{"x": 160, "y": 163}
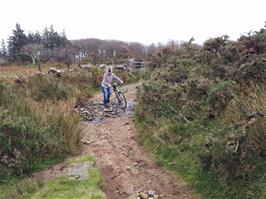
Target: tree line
{"x": 50, "y": 45}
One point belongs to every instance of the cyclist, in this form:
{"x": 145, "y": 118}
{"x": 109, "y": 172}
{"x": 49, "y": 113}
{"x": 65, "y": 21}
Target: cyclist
{"x": 108, "y": 77}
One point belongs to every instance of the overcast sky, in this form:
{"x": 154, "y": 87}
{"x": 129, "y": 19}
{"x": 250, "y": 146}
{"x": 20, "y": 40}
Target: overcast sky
{"x": 144, "y": 21}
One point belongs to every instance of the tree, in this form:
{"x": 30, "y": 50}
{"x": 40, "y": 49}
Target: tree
{"x": 31, "y": 50}
{"x": 66, "y": 55}
{"x": 16, "y": 41}
{"x": 3, "y": 50}
{"x": 51, "y": 39}
{"x": 34, "y": 38}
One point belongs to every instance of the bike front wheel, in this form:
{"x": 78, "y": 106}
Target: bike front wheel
{"x": 121, "y": 100}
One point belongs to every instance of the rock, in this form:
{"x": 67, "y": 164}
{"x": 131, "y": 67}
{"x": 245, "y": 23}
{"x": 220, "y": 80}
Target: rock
{"x": 55, "y": 72}
{"x": 143, "y": 195}
{"x": 85, "y": 112}
{"x": 151, "y": 193}
{"x": 19, "y": 80}
{"x": 80, "y": 171}
{"x": 155, "y": 197}
{"x": 86, "y": 67}
{"x": 95, "y": 112}
{"x": 108, "y": 110}
{"x": 85, "y": 142}
{"x": 107, "y": 115}
{"x": 121, "y": 67}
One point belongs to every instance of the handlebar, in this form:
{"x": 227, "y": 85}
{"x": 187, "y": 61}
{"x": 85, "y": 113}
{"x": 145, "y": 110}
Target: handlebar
{"x": 114, "y": 85}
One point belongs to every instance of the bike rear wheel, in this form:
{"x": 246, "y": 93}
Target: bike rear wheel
{"x": 121, "y": 100}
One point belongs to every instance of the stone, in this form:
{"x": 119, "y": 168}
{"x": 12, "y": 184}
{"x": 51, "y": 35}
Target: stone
{"x": 55, "y": 72}
{"x": 107, "y": 115}
{"x": 156, "y": 196}
{"x": 19, "y": 80}
{"x": 85, "y": 142}
{"x": 80, "y": 171}
{"x": 95, "y": 112}
{"x": 143, "y": 195}
{"x": 86, "y": 67}
{"x": 151, "y": 193}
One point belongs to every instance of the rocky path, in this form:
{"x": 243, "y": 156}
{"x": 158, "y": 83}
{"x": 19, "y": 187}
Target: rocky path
{"x": 129, "y": 171}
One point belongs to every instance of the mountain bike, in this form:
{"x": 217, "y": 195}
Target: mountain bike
{"x": 120, "y": 98}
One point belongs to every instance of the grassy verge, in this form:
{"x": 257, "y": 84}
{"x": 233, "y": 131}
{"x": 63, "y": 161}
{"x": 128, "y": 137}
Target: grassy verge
{"x": 183, "y": 159}
{"x": 182, "y": 163}
{"x": 60, "y": 187}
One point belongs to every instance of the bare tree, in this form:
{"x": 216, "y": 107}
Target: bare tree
{"x": 66, "y": 55}
{"x": 31, "y": 50}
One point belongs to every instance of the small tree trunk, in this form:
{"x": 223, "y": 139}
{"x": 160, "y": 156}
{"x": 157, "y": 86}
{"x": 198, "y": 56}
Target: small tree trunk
{"x": 33, "y": 61}
{"x": 39, "y": 66}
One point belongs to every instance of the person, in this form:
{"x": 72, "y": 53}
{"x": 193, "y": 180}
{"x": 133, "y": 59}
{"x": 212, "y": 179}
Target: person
{"x": 108, "y": 77}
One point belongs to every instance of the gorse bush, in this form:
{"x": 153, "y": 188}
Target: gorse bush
{"x": 81, "y": 79}
{"x": 205, "y": 106}
{"x": 37, "y": 122}
{"x": 36, "y": 134}
{"x": 24, "y": 141}
{"x": 45, "y": 87}
{"x": 96, "y": 77}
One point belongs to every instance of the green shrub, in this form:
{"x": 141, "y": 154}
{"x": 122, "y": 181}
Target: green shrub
{"x": 29, "y": 137}
{"x": 24, "y": 141}
{"x": 201, "y": 105}
{"x": 35, "y": 126}
{"x": 78, "y": 78}
{"x": 96, "y": 77}
{"x": 44, "y": 87}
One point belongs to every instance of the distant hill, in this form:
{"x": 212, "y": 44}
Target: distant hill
{"x": 109, "y": 48}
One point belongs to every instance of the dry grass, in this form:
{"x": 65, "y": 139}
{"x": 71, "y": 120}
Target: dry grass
{"x": 245, "y": 103}
{"x": 8, "y": 73}
{"x": 49, "y": 124}
{"x": 251, "y": 100}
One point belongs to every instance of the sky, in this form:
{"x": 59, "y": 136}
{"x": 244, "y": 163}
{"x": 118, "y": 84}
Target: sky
{"x": 145, "y": 21}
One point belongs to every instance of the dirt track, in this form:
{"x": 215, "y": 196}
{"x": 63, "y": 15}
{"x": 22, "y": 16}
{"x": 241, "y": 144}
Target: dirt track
{"x": 128, "y": 170}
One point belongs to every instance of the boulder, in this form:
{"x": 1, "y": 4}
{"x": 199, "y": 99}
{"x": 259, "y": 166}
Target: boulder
{"x": 55, "y": 72}
{"x": 86, "y": 67}
{"x": 19, "y": 79}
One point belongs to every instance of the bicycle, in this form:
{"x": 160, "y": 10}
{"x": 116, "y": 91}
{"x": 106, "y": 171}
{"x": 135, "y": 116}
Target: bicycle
{"x": 120, "y": 97}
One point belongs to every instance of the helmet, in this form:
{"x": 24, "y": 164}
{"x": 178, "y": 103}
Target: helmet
{"x": 109, "y": 69}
